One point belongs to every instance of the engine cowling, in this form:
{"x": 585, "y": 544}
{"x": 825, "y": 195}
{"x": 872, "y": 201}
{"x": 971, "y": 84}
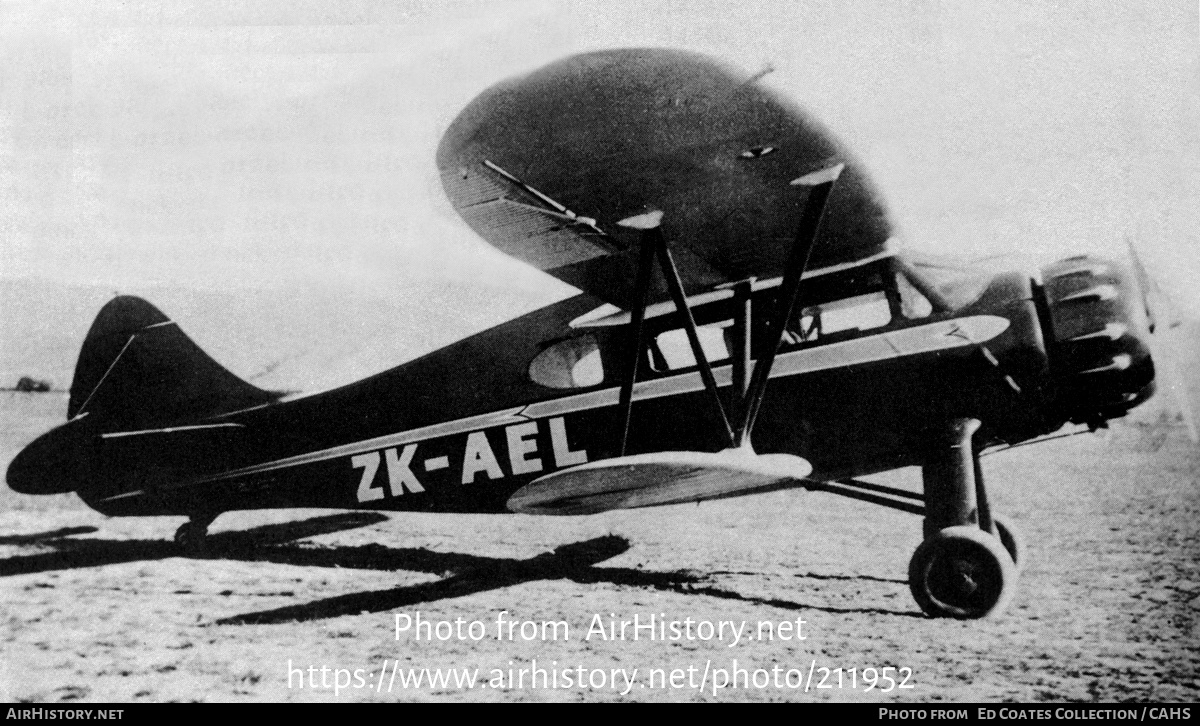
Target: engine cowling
{"x": 1099, "y": 353}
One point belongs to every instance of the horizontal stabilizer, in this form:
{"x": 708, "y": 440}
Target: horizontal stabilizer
{"x": 647, "y": 480}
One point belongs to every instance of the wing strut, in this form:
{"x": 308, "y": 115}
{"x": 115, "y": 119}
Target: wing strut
{"x": 653, "y": 245}
{"x": 671, "y": 273}
{"x": 820, "y": 185}
{"x": 642, "y": 286}
{"x": 749, "y": 395}
{"x": 742, "y": 311}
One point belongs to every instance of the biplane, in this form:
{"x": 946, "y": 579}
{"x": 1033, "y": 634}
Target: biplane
{"x": 745, "y": 323}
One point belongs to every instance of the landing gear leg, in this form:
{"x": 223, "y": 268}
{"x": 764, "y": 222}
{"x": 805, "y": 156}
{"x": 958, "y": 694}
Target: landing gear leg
{"x": 963, "y": 568}
{"x": 192, "y": 534}
{"x": 949, "y": 479}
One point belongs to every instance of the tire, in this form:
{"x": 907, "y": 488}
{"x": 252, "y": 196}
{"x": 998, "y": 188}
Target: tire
{"x": 1011, "y": 538}
{"x": 191, "y": 539}
{"x": 962, "y": 572}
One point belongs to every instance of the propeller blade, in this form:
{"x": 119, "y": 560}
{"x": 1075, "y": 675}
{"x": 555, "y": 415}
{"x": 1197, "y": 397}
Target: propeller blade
{"x": 1168, "y": 350}
{"x": 1189, "y": 416}
{"x": 1144, "y": 282}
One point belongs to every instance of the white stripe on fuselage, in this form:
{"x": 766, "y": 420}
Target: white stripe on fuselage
{"x": 943, "y": 335}
{"x": 172, "y": 430}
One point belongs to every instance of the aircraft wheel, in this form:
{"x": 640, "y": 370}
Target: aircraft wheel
{"x": 191, "y": 537}
{"x": 1011, "y": 538}
{"x": 962, "y": 572}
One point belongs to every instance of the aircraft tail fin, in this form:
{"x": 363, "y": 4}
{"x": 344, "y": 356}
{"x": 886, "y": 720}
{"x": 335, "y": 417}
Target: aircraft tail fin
{"x": 138, "y": 367}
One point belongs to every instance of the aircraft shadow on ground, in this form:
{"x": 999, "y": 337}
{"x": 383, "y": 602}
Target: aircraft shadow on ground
{"x": 20, "y": 539}
{"x": 469, "y": 573}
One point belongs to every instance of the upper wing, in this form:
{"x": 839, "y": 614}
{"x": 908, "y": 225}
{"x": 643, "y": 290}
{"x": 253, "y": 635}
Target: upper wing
{"x": 545, "y": 165}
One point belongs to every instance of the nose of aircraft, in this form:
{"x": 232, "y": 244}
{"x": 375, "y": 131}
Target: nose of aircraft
{"x": 54, "y": 463}
{"x": 1099, "y": 352}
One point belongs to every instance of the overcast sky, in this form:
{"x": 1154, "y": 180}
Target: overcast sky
{"x": 218, "y": 146}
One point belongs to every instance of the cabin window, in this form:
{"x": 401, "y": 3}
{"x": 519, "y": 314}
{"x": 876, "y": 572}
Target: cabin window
{"x": 571, "y": 363}
{"x": 853, "y": 314}
{"x": 671, "y": 350}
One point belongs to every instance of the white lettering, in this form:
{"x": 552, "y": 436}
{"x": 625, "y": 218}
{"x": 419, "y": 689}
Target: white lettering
{"x": 400, "y": 474}
{"x": 520, "y": 444}
{"x": 563, "y": 456}
{"x": 369, "y": 464}
{"x": 479, "y": 457}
